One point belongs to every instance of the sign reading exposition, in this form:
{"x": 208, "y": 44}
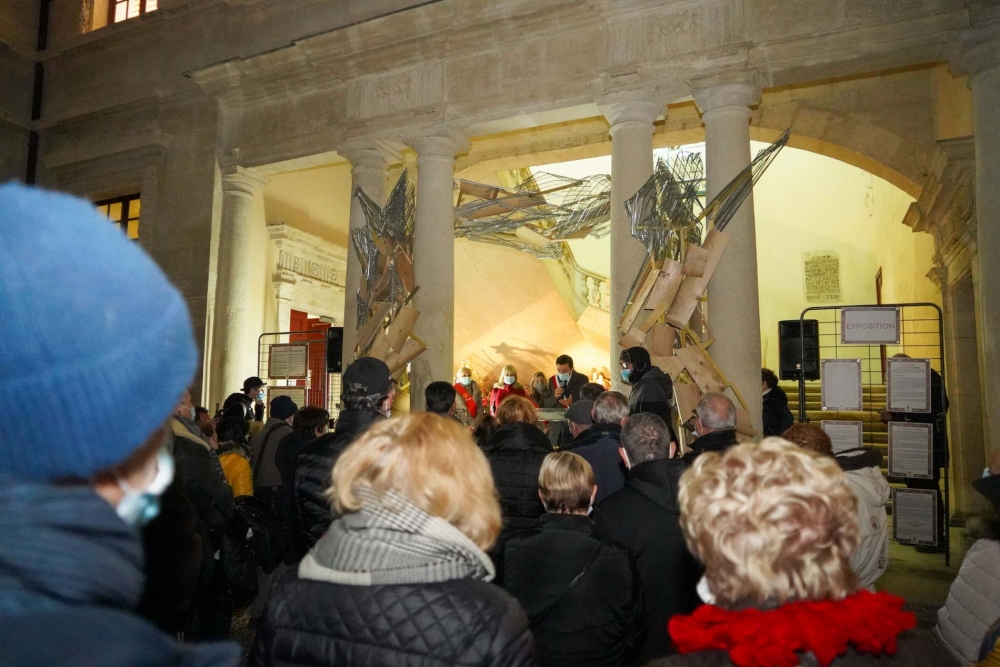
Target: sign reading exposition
{"x": 869, "y": 325}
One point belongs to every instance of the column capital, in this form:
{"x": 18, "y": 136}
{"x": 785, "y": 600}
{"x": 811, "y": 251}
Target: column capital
{"x": 728, "y": 89}
{"x": 370, "y": 153}
{"x": 437, "y": 144}
{"x": 243, "y": 182}
{"x": 631, "y": 107}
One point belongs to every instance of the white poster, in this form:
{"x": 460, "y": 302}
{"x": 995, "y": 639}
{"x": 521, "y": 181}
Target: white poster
{"x": 914, "y": 516}
{"x": 297, "y": 394}
{"x": 910, "y": 450}
{"x": 288, "y": 361}
{"x": 841, "y": 384}
{"x": 844, "y": 435}
{"x": 869, "y": 326}
{"x": 909, "y": 385}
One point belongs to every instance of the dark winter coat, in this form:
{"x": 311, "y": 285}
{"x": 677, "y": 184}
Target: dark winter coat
{"x": 286, "y": 458}
{"x": 459, "y": 622}
{"x": 913, "y": 650}
{"x": 241, "y": 405}
{"x": 70, "y": 571}
{"x": 515, "y": 453}
{"x": 777, "y": 417}
{"x": 313, "y": 474}
{"x": 645, "y": 517}
{"x": 264, "y": 448}
{"x": 716, "y": 441}
{"x": 577, "y": 381}
{"x": 652, "y": 391}
{"x": 599, "y": 445}
{"x": 204, "y": 481}
{"x": 600, "y": 621}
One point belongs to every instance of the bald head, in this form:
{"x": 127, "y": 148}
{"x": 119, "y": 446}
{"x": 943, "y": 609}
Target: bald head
{"x": 715, "y": 413}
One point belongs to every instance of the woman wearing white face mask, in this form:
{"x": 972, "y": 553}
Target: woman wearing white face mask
{"x": 507, "y": 385}
{"x": 79, "y": 474}
{"x": 469, "y": 394}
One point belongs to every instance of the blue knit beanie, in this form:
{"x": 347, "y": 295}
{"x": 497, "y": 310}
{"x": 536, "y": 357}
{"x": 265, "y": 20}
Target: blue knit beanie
{"x": 95, "y": 343}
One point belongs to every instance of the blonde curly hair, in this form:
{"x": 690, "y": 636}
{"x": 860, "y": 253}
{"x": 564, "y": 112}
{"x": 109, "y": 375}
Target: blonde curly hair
{"x": 771, "y": 523}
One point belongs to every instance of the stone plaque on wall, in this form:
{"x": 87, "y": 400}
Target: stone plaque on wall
{"x": 822, "y": 277}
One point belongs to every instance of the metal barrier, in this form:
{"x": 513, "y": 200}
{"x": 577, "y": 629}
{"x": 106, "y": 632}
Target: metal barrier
{"x": 320, "y": 388}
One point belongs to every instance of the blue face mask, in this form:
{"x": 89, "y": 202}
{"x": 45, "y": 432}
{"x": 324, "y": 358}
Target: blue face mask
{"x": 194, "y": 414}
{"x": 139, "y": 507}
{"x": 564, "y": 377}
{"x": 260, "y": 395}
{"x": 509, "y": 379}
{"x": 465, "y": 380}
{"x": 626, "y": 372}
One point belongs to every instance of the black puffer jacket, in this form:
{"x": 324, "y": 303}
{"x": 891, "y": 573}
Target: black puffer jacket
{"x": 599, "y": 446}
{"x": 600, "y": 621}
{"x": 312, "y": 474}
{"x": 777, "y": 416}
{"x": 516, "y": 452}
{"x": 645, "y": 517}
{"x": 652, "y": 391}
{"x": 459, "y": 622}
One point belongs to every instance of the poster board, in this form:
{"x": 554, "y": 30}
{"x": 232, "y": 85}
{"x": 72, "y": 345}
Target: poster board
{"x": 840, "y": 382}
{"x": 914, "y": 516}
{"x": 297, "y": 394}
{"x": 869, "y": 325}
{"x": 844, "y": 435}
{"x": 288, "y": 361}
{"x": 911, "y": 452}
{"x": 908, "y": 388}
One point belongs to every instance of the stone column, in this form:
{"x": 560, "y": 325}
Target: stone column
{"x": 434, "y": 260}
{"x": 234, "y": 339}
{"x": 369, "y": 168}
{"x": 982, "y": 63}
{"x": 631, "y": 132}
{"x": 733, "y": 307}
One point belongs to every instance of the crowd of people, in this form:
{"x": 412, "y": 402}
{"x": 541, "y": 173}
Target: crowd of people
{"x": 133, "y": 524}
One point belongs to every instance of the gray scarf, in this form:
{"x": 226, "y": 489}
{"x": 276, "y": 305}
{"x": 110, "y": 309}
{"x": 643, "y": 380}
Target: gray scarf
{"x": 392, "y": 541}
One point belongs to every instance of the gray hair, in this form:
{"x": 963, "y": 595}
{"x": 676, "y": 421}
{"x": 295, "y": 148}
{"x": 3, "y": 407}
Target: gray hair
{"x": 611, "y": 407}
{"x": 645, "y": 437}
{"x": 716, "y": 411}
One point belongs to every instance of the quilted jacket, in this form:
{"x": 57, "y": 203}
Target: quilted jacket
{"x": 973, "y": 603}
{"x": 871, "y": 557}
{"x": 460, "y": 622}
{"x": 516, "y": 452}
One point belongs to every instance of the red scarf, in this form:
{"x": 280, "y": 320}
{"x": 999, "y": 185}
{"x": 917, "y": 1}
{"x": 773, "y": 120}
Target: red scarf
{"x": 470, "y": 403}
{"x": 756, "y": 638}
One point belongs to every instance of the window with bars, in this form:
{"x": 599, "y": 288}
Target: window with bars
{"x": 122, "y": 10}
{"x": 124, "y": 212}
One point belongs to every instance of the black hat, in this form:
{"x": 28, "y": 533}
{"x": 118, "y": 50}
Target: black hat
{"x": 367, "y": 376}
{"x": 253, "y": 382}
{"x": 579, "y": 413}
{"x": 989, "y": 487}
{"x": 283, "y": 407}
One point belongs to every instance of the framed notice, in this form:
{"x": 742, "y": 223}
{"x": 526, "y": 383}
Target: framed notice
{"x": 909, "y": 385}
{"x": 297, "y": 394}
{"x": 869, "y": 325}
{"x": 914, "y": 516}
{"x": 840, "y": 382}
{"x": 288, "y": 361}
{"x": 911, "y": 450}
{"x": 844, "y": 435}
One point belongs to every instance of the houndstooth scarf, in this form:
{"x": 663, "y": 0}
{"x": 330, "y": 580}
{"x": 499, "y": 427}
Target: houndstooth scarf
{"x": 392, "y": 541}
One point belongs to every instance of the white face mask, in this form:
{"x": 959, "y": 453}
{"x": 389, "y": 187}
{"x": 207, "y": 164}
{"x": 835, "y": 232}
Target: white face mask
{"x": 509, "y": 379}
{"x": 465, "y": 380}
{"x": 140, "y": 506}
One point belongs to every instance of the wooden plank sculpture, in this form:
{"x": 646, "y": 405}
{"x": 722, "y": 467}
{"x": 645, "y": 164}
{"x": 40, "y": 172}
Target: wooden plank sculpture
{"x": 384, "y": 247}
{"x": 669, "y": 290}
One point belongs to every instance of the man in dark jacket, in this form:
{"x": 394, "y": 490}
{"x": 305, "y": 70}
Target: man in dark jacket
{"x": 777, "y": 417}
{"x": 264, "y": 448}
{"x": 82, "y": 470}
{"x": 715, "y": 426}
{"x": 652, "y": 389}
{"x": 309, "y": 423}
{"x": 566, "y": 384}
{"x": 248, "y": 403}
{"x": 645, "y": 517}
{"x": 600, "y": 443}
{"x": 367, "y": 396}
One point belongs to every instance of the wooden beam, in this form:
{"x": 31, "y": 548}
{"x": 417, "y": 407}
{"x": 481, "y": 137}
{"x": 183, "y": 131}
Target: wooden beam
{"x": 410, "y": 350}
{"x": 693, "y": 287}
{"x": 646, "y": 283}
{"x": 702, "y": 369}
{"x": 526, "y": 233}
{"x": 662, "y": 295}
{"x": 367, "y": 334}
{"x": 401, "y": 327}
{"x": 660, "y": 340}
{"x": 696, "y": 261}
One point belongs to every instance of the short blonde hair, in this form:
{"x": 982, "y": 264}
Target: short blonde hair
{"x": 507, "y": 370}
{"x": 566, "y": 481}
{"x": 430, "y": 460}
{"x": 516, "y": 409}
{"x": 771, "y": 523}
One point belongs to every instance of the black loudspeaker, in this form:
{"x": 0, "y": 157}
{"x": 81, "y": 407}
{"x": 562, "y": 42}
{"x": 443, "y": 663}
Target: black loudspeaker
{"x": 791, "y": 348}
{"x": 335, "y": 350}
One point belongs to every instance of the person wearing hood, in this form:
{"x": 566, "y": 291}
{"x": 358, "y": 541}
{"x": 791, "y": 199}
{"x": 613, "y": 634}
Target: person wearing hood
{"x": 777, "y": 417}
{"x": 645, "y": 517}
{"x": 861, "y": 466}
{"x": 652, "y": 389}
{"x": 79, "y": 478}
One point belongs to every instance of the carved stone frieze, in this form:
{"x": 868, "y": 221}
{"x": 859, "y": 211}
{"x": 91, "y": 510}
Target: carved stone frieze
{"x": 401, "y": 90}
